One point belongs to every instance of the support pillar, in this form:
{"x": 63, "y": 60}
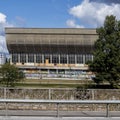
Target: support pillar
{"x": 10, "y": 58}
{"x": 59, "y": 58}
{"x": 83, "y": 59}
{"x": 75, "y": 59}
{"x": 18, "y": 58}
{"x": 42, "y": 58}
{"x": 34, "y": 58}
{"x": 26, "y": 58}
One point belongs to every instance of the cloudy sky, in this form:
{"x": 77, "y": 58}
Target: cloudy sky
{"x": 54, "y": 14}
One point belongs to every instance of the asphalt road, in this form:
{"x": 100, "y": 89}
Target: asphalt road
{"x": 54, "y": 118}
{"x": 31, "y": 113}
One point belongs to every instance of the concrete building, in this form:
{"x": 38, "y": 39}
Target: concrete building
{"x": 46, "y": 52}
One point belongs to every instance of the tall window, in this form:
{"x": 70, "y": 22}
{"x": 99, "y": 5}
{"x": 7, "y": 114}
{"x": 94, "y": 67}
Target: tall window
{"x": 71, "y": 59}
{"x": 14, "y": 58}
{"x": 80, "y": 59}
{"x": 31, "y": 58}
{"x": 55, "y": 58}
{"x": 23, "y": 58}
{"x": 38, "y": 58}
{"x": 88, "y": 57}
{"x": 63, "y": 58}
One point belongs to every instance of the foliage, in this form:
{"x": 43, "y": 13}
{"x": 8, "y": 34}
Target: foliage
{"x": 106, "y": 63}
{"x": 10, "y": 74}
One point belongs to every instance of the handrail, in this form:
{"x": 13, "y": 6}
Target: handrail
{"x": 107, "y": 102}
{"x": 60, "y": 101}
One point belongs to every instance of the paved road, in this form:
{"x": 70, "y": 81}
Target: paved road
{"x": 54, "y": 118}
{"x": 61, "y": 113}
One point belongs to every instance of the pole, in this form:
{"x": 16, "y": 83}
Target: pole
{"x": 57, "y": 109}
{"x": 107, "y": 110}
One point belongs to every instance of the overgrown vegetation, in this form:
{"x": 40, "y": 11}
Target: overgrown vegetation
{"x": 9, "y": 75}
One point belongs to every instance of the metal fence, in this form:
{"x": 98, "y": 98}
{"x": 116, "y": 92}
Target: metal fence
{"x": 60, "y": 94}
{"x": 59, "y": 102}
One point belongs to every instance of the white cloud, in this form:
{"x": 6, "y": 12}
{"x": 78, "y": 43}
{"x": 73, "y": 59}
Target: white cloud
{"x": 92, "y": 14}
{"x": 3, "y": 24}
{"x": 2, "y": 18}
{"x": 71, "y": 23}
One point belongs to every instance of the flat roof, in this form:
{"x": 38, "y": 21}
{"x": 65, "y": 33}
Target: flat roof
{"x": 51, "y": 30}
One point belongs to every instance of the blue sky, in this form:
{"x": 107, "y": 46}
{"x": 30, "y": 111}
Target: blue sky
{"x": 37, "y": 13}
{"x": 54, "y": 14}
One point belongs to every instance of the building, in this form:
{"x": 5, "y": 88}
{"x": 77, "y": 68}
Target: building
{"x": 2, "y": 58}
{"x": 51, "y": 52}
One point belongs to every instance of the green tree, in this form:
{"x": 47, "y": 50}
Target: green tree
{"x": 106, "y": 63}
{"x": 10, "y": 75}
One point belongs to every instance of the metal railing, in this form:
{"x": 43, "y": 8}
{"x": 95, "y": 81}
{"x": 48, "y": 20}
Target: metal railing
{"x": 58, "y": 102}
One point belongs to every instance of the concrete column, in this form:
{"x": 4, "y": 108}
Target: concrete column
{"x": 10, "y": 58}
{"x": 50, "y": 58}
{"x": 34, "y": 58}
{"x": 18, "y": 58}
{"x": 59, "y": 58}
{"x": 42, "y": 58}
{"x": 83, "y": 59}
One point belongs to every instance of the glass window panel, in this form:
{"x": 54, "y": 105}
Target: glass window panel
{"x": 55, "y": 58}
{"x": 22, "y": 58}
{"x": 80, "y": 59}
{"x": 38, "y": 58}
{"x": 14, "y": 58}
{"x": 63, "y": 58}
{"x": 31, "y": 58}
{"x": 88, "y": 57}
{"x": 71, "y": 59}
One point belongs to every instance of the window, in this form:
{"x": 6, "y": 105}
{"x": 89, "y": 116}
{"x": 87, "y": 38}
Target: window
{"x": 71, "y": 59}
{"x": 31, "y": 58}
{"x": 38, "y": 58}
{"x": 55, "y": 58}
{"x": 79, "y": 59}
{"x": 14, "y": 58}
{"x": 22, "y": 58}
{"x": 88, "y": 57}
{"x": 63, "y": 58}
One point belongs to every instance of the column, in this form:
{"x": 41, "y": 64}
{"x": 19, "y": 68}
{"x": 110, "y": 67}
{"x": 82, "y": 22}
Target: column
{"x": 34, "y": 58}
{"x": 10, "y": 58}
{"x": 18, "y": 58}
{"x": 50, "y": 58}
{"x": 83, "y": 59}
{"x": 42, "y": 58}
{"x": 59, "y": 58}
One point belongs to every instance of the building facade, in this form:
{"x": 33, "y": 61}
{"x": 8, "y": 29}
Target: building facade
{"x": 46, "y": 52}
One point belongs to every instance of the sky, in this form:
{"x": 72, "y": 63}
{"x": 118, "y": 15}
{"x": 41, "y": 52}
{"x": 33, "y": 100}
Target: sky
{"x": 54, "y": 14}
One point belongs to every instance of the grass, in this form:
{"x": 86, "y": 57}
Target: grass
{"x": 53, "y": 83}
{"x": 46, "y": 85}
{"x": 56, "y": 81}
